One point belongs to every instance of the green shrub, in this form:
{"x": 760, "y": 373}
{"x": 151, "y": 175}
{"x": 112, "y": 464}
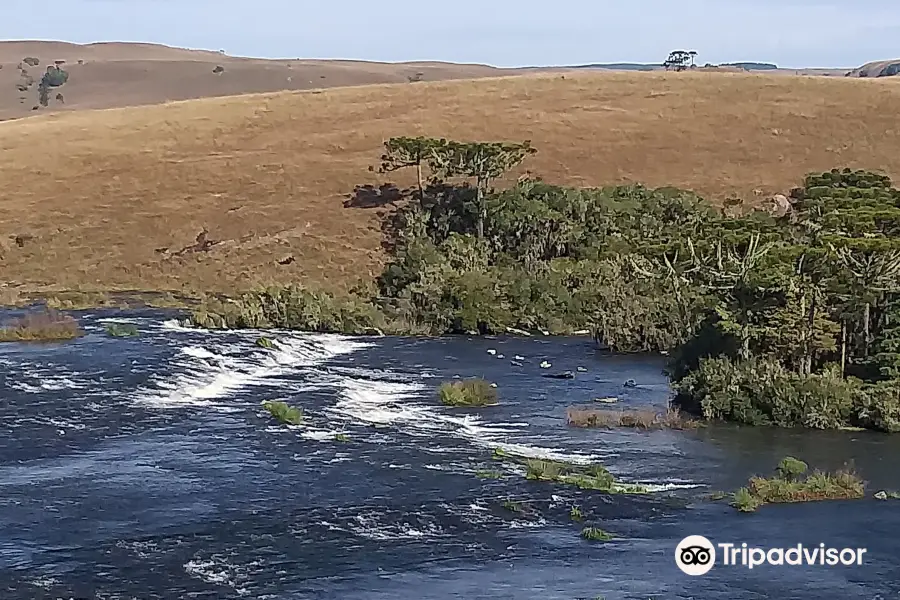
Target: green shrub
{"x": 745, "y": 501}
{"x": 265, "y": 342}
{"x": 467, "y": 392}
{"x": 291, "y": 307}
{"x": 54, "y": 77}
{"x": 595, "y": 534}
{"x": 284, "y": 412}
{"x": 121, "y": 330}
{"x": 790, "y": 468}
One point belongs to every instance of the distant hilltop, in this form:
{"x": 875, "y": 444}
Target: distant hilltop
{"x": 626, "y": 66}
{"x": 880, "y": 68}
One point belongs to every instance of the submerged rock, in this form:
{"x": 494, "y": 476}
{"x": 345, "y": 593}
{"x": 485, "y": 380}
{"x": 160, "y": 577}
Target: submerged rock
{"x": 563, "y": 375}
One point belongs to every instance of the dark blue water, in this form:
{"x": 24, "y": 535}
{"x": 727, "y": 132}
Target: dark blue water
{"x": 145, "y": 468}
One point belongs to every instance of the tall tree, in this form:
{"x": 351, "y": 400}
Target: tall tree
{"x": 406, "y": 152}
{"x": 482, "y": 161}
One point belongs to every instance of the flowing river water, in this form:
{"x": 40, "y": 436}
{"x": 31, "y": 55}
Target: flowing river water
{"x": 145, "y": 468}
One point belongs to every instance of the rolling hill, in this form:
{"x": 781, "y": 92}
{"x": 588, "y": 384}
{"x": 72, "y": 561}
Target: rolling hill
{"x": 113, "y": 74}
{"x": 116, "y": 199}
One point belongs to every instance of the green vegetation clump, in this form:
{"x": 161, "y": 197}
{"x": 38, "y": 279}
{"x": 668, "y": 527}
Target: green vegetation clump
{"x": 44, "y": 326}
{"x": 291, "y": 307}
{"x": 468, "y": 392}
{"x": 284, "y": 412}
{"x": 645, "y": 420}
{"x": 265, "y": 342}
{"x": 488, "y": 474}
{"x": 121, "y": 330}
{"x": 341, "y": 437}
{"x": 791, "y": 484}
{"x": 595, "y": 534}
{"x": 575, "y": 514}
{"x": 787, "y": 317}
{"x": 592, "y": 477}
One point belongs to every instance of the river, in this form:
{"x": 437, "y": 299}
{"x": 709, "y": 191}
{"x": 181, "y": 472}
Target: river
{"x": 145, "y": 468}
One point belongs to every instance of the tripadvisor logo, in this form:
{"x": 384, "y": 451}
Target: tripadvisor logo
{"x": 696, "y": 555}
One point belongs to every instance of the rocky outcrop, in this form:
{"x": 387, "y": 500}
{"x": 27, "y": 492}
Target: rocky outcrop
{"x": 881, "y": 68}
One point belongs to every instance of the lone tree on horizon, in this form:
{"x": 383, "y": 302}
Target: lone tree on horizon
{"x": 680, "y": 60}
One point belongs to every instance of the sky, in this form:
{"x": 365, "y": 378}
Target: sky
{"x": 508, "y": 33}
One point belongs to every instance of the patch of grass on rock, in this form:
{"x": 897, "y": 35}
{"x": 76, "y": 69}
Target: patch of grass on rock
{"x": 645, "y": 419}
{"x": 121, "y": 330}
{"x": 791, "y": 484}
{"x": 265, "y": 342}
{"x": 44, "y": 326}
{"x": 284, "y": 412}
{"x": 468, "y": 392}
{"x": 595, "y": 534}
{"x": 592, "y": 477}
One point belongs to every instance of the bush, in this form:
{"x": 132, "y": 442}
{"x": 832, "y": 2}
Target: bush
{"x": 760, "y": 391}
{"x": 54, "y": 77}
{"x": 468, "y": 392}
{"x": 593, "y": 477}
{"x": 45, "y": 326}
{"x": 744, "y": 501}
{"x": 791, "y": 468}
{"x": 291, "y": 307}
{"x": 284, "y": 412}
{"x": 595, "y": 534}
{"x": 120, "y": 330}
{"x": 265, "y": 342}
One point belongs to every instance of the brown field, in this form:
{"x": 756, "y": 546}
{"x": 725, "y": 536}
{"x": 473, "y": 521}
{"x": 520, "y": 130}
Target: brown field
{"x": 103, "y": 200}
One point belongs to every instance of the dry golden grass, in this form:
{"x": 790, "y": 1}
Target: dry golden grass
{"x": 44, "y": 326}
{"x": 643, "y": 419}
{"x": 104, "y": 192}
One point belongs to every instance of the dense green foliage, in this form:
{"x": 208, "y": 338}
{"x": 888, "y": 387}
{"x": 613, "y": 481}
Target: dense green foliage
{"x": 284, "y": 412}
{"x": 789, "y": 320}
{"x": 121, "y": 330}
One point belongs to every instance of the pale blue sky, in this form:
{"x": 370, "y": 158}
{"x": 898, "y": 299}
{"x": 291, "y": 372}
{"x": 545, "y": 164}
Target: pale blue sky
{"x": 791, "y": 33}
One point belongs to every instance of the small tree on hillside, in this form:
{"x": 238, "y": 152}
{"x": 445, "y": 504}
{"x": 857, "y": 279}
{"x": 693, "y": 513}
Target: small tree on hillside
{"x": 482, "y": 161}
{"x": 406, "y": 152}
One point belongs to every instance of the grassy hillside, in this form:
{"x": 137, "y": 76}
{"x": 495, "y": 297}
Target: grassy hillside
{"x": 116, "y": 199}
{"x": 107, "y": 75}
